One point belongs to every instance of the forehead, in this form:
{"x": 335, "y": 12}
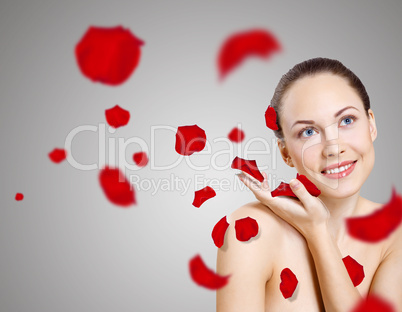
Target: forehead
{"x": 318, "y": 96}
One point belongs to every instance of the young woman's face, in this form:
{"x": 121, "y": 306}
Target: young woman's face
{"x": 325, "y": 125}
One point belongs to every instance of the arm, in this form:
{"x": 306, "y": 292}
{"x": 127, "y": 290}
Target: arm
{"x": 248, "y": 263}
{"x": 387, "y": 281}
{"x": 337, "y": 289}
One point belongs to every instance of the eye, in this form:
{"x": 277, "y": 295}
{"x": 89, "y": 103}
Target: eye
{"x": 347, "y": 120}
{"x": 307, "y": 132}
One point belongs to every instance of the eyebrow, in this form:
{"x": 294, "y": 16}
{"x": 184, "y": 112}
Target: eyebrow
{"x": 310, "y": 122}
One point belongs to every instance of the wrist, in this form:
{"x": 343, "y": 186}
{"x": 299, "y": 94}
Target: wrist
{"x": 318, "y": 236}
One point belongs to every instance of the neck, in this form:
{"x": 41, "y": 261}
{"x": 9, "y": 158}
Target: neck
{"x": 339, "y": 209}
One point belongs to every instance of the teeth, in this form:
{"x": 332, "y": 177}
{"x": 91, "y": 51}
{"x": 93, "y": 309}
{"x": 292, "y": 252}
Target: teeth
{"x": 337, "y": 170}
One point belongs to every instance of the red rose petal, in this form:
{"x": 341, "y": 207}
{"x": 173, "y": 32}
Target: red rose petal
{"x": 236, "y": 135}
{"x": 270, "y": 118}
{"x": 248, "y": 166}
{"x": 19, "y": 196}
{"x": 204, "y": 276}
{"x": 373, "y": 303}
{"x": 116, "y": 187}
{"x": 355, "y": 270}
{"x": 288, "y": 283}
{"x": 117, "y": 117}
{"x": 57, "y": 155}
{"x": 218, "y": 233}
{"x": 108, "y": 54}
{"x": 241, "y": 45}
{"x": 310, "y": 186}
{"x": 246, "y": 228}
{"x": 284, "y": 188}
{"x": 190, "y": 139}
{"x": 141, "y": 159}
{"x": 378, "y": 225}
{"x": 202, "y": 195}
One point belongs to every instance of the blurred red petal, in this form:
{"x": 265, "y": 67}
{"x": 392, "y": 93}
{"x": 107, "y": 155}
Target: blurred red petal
{"x": 248, "y": 166}
{"x": 373, "y": 303}
{"x": 202, "y": 195}
{"x": 310, "y": 186}
{"x": 246, "y": 228}
{"x": 270, "y": 118}
{"x": 284, "y": 188}
{"x": 242, "y": 45}
{"x": 288, "y": 283}
{"x": 204, "y": 276}
{"x": 108, "y": 54}
{"x": 117, "y": 117}
{"x": 355, "y": 270}
{"x": 190, "y": 139}
{"x": 19, "y": 196}
{"x": 141, "y": 159}
{"x": 116, "y": 187}
{"x": 57, "y": 155}
{"x": 378, "y": 225}
{"x": 236, "y": 135}
{"x": 218, "y": 233}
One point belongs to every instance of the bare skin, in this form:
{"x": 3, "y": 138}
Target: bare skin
{"x": 309, "y": 235}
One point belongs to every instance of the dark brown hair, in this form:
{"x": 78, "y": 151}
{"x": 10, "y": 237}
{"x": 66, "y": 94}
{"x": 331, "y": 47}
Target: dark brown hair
{"x": 310, "y": 68}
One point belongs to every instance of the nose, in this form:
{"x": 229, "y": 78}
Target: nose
{"x": 332, "y": 150}
{"x": 332, "y": 146}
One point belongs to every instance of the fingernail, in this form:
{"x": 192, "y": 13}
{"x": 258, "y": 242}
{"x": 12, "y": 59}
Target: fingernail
{"x": 294, "y": 183}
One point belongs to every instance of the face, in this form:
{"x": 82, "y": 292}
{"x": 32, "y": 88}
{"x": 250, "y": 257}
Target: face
{"x": 328, "y": 136}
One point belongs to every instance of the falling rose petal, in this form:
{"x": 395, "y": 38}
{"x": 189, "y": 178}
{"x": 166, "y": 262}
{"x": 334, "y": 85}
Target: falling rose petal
{"x": 270, "y": 118}
{"x": 116, "y": 187}
{"x": 190, "y": 139}
{"x": 310, "y": 186}
{"x": 108, "y": 54}
{"x": 117, "y": 117}
{"x": 57, "y": 155}
{"x": 202, "y": 195}
{"x": 218, "y": 233}
{"x": 288, "y": 283}
{"x": 248, "y": 166}
{"x": 378, "y": 225}
{"x": 242, "y": 45}
{"x": 19, "y": 196}
{"x": 355, "y": 270}
{"x": 373, "y": 303}
{"x": 141, "y": 159}
{"x": 284, "y": 188}
{"x": 236, "y": 135}
{"x": 246, "y": 228}
{"x": 204, "y": 276}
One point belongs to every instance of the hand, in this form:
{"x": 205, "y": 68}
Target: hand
{"x": 307, "y": 214}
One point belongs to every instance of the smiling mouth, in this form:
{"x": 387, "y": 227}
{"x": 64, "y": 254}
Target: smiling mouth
{"x": 338, "y": 169}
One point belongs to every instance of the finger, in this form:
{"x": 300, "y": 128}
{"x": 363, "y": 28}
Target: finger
{"x": 250, "y": 182}
{"x": 301, "y": 192}
{"x": 264, "y": 184}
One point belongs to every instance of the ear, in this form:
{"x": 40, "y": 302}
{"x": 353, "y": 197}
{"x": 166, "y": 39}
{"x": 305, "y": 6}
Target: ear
{"x": 373, "y": 127}
{"x": 284, "y": 152}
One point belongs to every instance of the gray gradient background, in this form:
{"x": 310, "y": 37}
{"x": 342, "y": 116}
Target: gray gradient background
{"x": 65, "y": 247}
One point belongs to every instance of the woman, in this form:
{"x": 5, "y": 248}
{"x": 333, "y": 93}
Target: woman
{"x": 325, "y": 122}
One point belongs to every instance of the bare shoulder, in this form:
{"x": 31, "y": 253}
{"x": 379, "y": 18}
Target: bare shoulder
{"x": 259, "y": 250}
{"x": 250, "y": 264}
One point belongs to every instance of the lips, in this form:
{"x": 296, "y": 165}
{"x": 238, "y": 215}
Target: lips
{"x": 338, "y": 165}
